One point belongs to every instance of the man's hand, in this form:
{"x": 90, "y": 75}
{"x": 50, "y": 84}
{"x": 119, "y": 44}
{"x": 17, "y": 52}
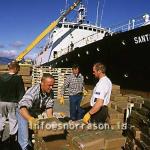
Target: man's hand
{"x": 33, "y": 123}
{"x": 62, "y": 102}
{"x": 86, "y": 118}
{"x": 84, "y": 92}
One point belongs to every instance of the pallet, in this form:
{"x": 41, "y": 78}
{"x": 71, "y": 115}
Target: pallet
{"x": 59, "y": 75}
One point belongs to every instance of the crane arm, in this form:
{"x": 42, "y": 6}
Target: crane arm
{"x": 45, "y": 32}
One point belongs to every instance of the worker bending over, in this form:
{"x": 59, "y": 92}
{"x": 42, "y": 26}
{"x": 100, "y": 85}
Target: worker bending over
{"x": 37, "y": 99}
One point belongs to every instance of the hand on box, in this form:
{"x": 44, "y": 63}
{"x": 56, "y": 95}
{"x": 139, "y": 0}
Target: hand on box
{"x": 33, "y": 123}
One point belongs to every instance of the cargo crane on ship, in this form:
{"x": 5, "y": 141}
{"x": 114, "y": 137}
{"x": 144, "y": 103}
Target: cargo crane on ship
{"x": 46, "y": 31}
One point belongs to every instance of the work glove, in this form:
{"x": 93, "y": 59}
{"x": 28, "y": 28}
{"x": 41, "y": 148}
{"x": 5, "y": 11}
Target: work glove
{"x": 62, "y": 102}
{"x": 84, "y": 92}
{"x": 33, "y": 123}
{"x": 86, "y": 118}
{"x": 62, "y": 114}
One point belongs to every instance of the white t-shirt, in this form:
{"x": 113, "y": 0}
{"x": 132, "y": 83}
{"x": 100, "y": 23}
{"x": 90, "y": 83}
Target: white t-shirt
{"x": 102, "y": 91}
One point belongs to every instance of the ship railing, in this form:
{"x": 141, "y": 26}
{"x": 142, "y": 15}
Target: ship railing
{"x": 132, "y": 24}
{"x": 82, "y": 42}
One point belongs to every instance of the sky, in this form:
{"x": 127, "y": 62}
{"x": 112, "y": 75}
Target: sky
{"x": 21, "y": 21}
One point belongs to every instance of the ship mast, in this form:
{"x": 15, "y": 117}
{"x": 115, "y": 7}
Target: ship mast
{"x": 102, "y": 13}
{"x": 81, "y": 14}
{"x": 97, "y": 14}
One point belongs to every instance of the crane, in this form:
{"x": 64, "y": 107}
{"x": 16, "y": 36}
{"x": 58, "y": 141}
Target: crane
{"x": 45, "y": 32}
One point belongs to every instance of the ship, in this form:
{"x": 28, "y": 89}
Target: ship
{"x": 124, "y": 49}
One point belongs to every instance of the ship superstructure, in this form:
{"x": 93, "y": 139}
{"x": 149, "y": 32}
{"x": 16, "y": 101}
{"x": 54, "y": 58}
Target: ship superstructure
{"x": 69, "y": 35}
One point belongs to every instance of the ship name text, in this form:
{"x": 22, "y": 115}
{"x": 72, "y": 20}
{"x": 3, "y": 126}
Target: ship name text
{"x": 142, "y": 39}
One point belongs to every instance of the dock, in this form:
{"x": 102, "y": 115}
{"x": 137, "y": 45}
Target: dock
{"x": 129, "y": 113}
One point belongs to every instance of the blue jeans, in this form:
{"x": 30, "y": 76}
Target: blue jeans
{"x": 23, "y": 131}
{"x": 76, "y": 112}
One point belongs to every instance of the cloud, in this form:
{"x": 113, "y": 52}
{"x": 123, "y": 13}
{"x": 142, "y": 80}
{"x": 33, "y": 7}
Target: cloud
{"x": 17, "y": 44}
{"x": 31, "y": 56}
{"x": 14, "y": 53}
{"x": 2, "y": 46}
{"x": 8, "y": 53}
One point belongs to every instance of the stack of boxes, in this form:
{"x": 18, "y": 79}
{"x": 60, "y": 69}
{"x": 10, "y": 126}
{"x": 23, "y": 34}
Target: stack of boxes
{"x": 138, "y": 132}
{"x": 95, "y": 139}
{"x": 3, "y": 69}
{"x": 46, "y": 128}
{"x": 25, "y": 72}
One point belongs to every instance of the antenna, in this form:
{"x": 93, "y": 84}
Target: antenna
{"x": 102, "y": 13}
{"x": 66, "y": 4}
{"x": 97, "y": 13}
{"x": 86, "y": 6}
{"x": 86, "y": 2}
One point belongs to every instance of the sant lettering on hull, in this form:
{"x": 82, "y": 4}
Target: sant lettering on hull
{"x": 142, "y": 39}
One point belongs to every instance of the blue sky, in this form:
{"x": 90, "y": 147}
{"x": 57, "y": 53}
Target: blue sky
{"x": 22, "y": 20}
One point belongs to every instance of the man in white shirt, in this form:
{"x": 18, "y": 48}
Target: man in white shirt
{"x": 100, "y": 98}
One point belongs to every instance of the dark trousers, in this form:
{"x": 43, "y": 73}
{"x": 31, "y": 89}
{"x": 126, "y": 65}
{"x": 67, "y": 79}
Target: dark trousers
{"x": 76, "y": 112}
{"x": 100, "y": 116}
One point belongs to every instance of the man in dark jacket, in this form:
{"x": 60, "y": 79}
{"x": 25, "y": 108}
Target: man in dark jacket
{"x": 11, "y": 91}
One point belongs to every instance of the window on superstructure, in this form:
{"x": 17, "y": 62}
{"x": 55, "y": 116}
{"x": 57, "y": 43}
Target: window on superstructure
{"x": 70, "y": 26}
{"x": 46, "y": 47}
{"x": 85, "y": 28}
{"x": 65, "y": 26}
{"x": 98, "y": 31}
{"x": 59, "y": 25}
{"x": 55, "y": 54}
{"x": 94, "y": 30}
{"x": 80, "y": 27}
{"x": 75, "y": 26}
{"x": 41, "y": 53}
{"x": 102, "y": 31}
{"x": 90, "y": 29}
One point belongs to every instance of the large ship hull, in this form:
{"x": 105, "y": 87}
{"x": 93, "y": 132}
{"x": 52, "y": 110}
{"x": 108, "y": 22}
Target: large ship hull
{"x": 126, "y": 56}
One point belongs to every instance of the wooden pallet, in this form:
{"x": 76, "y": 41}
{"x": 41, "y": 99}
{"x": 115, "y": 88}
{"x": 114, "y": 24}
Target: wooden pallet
{"x": 59, "y": 75}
